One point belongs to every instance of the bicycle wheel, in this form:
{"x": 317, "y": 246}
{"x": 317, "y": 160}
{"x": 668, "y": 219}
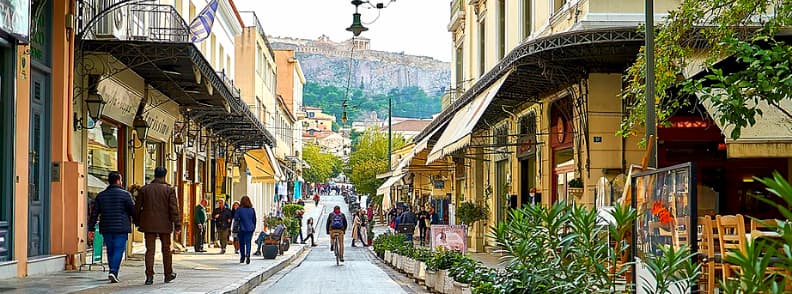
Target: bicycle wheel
{"x": 337, "y": 255}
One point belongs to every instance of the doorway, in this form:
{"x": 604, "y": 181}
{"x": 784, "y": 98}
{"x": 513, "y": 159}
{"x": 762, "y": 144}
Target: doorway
{"x": 38, "y": 160}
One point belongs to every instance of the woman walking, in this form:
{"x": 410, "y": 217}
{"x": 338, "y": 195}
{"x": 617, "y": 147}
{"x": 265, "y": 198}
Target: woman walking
{"x": 234, "y": 231}
{"x": 363, "y": 231}
{"x": 246, "y": 217}
{"x": 355, "y": 228}
{"x": 310, "y": 232}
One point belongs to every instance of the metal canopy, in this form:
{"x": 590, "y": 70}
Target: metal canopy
{"x": 159, "y": 51}
{"x": 545, "y": 65}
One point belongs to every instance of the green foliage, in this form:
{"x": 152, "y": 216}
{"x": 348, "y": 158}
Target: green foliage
{"x": 469, "y": 213}
{"x": 762, "y": 75}
{"x": 576, "y": 183}
{"x": 292, "y": 225}
{"x": 672, "y": 269}
{"x": 443, "y": 259}
{"x": 407, "y": 102}
{"x": 562, "y": 248}
{"x": 388, "y": 242}
{"x": 369, "y": 157}
{"x": 273, "y": 222}
{"x": 290, "y": 210}
{"x": 323, "y": 165}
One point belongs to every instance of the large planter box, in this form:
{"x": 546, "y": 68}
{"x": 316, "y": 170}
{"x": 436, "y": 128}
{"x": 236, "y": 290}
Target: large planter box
{"x": 440, "y": 280}
{"x": 409, "y": 266}
{"x": 448, "y": 284}
{"x": 430, "y": 279}
{"x": 460, "y": 288}
{"x": 418, "y": 271}
{"x": 388, "y": 256}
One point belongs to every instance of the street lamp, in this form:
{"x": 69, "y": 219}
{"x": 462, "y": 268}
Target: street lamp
{"x": 357, "y": 26}
{"x": 141, "y": 132}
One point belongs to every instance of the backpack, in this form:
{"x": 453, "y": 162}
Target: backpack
{"x": 337, "y": 222}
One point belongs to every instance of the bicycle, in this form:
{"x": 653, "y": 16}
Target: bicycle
{"x": 334, "y": 247}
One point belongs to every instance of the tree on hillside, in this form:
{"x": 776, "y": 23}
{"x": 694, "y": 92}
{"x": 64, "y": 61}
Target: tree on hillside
{"x": 369, "y": 157}
{"x": 746, "y": 30}
{"x": 323, "y": 165}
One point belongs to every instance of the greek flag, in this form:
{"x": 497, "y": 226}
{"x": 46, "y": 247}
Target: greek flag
{"x": 201, "y": 25}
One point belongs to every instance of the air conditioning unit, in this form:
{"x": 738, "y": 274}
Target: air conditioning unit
{"x": 112, "y": 25}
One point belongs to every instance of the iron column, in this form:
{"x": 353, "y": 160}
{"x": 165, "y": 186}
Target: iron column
{"x": 651, "y": 128}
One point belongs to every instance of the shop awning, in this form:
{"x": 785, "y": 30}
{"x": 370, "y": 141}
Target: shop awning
{"x": 457, "y": 135}
{"x": 385, "y": 188}
{"x": 770, "y": 136}
{"x": 260, "y": 166}
{"x": 275, "y": 166}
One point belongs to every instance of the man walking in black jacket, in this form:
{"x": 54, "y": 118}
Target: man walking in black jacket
{"x": 113, "y": 209}
{"x": 222, "y": 218}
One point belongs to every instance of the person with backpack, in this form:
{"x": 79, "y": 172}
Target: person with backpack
{"x": 336, "y": 227}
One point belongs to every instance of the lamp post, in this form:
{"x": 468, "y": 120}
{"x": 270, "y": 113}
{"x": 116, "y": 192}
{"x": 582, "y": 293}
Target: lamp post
{"x": 390, "y": 131}
{"x": 651, "y": 128}
{"x": 357, "y": 26}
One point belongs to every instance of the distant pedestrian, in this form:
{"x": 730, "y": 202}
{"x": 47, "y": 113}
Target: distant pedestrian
{"x": 299, "y": 216}
{"x": 356, "y": 222}
{"x": 409, "y": 220}
{"x": 246, "y": 217}
{"x": 310, "y": 230}
{"x": 316, "y": 199}
{"x": 363, "y": 231}
{"x": 423, "y": 225}
{"x": 222, "y": 219}
{"x": 199, "y": 223}
{"x": 113, "y": 208}
{"x": 158, "y": 216}
{"x": 234, "y": 234}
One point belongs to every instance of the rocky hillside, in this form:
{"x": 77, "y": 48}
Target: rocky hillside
{"x": 374, "y": 74}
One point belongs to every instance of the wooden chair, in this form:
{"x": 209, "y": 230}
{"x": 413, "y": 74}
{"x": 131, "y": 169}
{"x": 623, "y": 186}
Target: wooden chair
{"x": 706, "y": 247}
{"x": 763, "y": 228}
{"x": 731, "y": 231}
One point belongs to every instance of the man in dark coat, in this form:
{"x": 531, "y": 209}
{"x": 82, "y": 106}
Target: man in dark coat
{"x": 222, "y": 219}
{"x": 409, "y": 219}
{"x": 158, "y": 216}
{"x": 199, "y": 221}
{"x": 113, "y": 208}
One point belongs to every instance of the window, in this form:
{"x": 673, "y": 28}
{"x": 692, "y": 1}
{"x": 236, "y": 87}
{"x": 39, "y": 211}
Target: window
{"x": 229, "y": 67}
{"x": 178, "y": 6}
{"x": 192, "y": 12}
{"x": 482, "y": 46}
{"x": 220, "y": 54}
{"x": 459, "y": 68}
{"x": 527, "y": 18}
{"x": 259, "y": 58}
{"x": 501, "y": 28}
{"x": 557, "y": 5}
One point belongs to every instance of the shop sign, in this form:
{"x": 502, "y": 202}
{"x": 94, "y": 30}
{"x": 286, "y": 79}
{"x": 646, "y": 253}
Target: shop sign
{"x": 526, "y": 146}
{"x": 122, "y": 103}
{"x": 160, "y": 124}
{"x": 449, "y": 237}
{"x": 15, "y": 18}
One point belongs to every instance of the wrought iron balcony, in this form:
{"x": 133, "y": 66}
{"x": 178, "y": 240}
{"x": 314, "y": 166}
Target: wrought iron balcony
{"x": 126, "y": 20}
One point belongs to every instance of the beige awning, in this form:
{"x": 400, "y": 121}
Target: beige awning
{"x": 385, "y": 189}
{"x": 457, "y": 135}
{"x": 261, "y": 167}
{"x": 770, "y": 136}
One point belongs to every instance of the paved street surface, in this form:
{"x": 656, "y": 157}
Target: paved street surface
{"x": 318, "y": 273}
{"x": 197, "y": 273}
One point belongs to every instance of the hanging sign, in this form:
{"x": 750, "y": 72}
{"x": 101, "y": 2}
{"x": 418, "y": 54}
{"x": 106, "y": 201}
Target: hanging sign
{"x": 160, "y": 123}
{"x": 122, "y": 103}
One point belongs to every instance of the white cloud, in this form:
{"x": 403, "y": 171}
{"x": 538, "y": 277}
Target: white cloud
{"x": 416, "y": 27}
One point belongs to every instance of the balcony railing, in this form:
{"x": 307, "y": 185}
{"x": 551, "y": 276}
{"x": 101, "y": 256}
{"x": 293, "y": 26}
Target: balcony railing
{"x": 229, "y": 83}
{"x": 131, "y": 21}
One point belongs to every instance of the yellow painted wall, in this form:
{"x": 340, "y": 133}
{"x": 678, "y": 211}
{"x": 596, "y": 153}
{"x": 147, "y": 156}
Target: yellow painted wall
{"x": 22, "y": 137}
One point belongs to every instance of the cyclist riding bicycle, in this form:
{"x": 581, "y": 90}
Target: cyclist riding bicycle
{"x": 336, "y": 228}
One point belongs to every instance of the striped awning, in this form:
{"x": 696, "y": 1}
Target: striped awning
{"x": 457, "y": 135}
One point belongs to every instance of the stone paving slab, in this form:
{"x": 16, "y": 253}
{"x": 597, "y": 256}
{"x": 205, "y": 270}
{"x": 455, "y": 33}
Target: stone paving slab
{"x": 197, "y": 273}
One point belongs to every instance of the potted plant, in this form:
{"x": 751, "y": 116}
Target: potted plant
{"x": 575, "y": 187}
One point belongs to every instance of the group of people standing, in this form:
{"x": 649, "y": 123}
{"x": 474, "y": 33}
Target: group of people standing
{"x": 154, "y": 209}
{"x": 423, "y": 219}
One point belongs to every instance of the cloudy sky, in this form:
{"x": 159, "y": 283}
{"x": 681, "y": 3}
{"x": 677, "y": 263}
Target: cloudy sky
{"x": 415, "y": 27}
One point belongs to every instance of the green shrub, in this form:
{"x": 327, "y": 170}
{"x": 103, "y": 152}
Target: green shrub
{"x": 290, "y": 210}
{"x": 469, "y": 213}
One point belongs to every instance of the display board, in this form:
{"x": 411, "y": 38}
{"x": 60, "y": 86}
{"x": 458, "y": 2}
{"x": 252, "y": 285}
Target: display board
{"x": 665, "y": 200}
